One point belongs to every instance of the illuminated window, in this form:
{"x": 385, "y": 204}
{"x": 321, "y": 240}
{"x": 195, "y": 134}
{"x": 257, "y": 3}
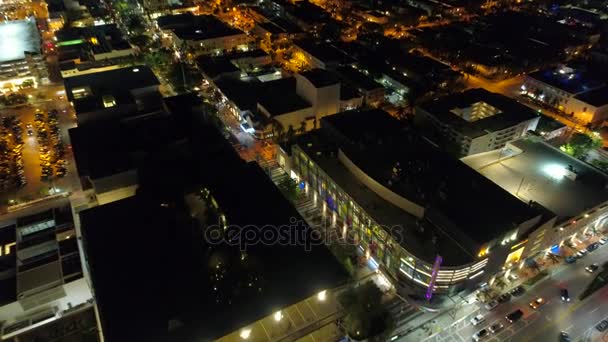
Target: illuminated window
{"x": 109, "y": 101}
{"x": 81, "y": 92}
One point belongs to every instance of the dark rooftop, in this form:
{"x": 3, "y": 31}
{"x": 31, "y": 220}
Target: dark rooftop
{"x": 202, "y": 27}
{"x": 358, "y": 79}
{"x": 510, "y": 112}
{"x": 286, "y": 102}
{"x": 321, "y": 78}
{"x": 596, "y": 97}
{"x": 575, "y": 82}
{"x": 324, "y": 52}
{"x": 204, "y": 292}
{"x": 107, "y": 148}
{"x": 377, "y": 143}
{"x": 215, "y": 66}
{"x": 117, "y": 83}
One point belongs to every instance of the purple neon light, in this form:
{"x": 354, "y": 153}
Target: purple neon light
{"x": 436, "y": 265}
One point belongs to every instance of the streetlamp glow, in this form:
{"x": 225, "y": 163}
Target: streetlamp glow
{"x": 245, "y": 333}
{"x": 322, "y": 295}
{"x": 278, "y": 316}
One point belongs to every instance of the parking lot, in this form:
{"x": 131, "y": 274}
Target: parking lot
{"x": 46, "y": 162}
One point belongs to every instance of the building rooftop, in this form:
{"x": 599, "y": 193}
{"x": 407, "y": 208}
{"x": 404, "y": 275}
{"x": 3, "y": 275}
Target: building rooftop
{"x": 207, "y": 289}
{"x": 567, "y": 79}
{"x": 245, "y": 94}
{"x": 325, "y": 52}
{"x": 108, "y": 148}
{"x": 404, "y": 227}
{"x": 271, "y": 27}
{"x": 283, "y": 102}
{"x": 320, "y": 78}
{"x": 597, "y": 97}
{"x": 411, "y": 167}
{"x": 358, "y": 79}
{"x": 204, "y": 27}
{"x": 476, "y": 112}
{"x": 215, "y": 66}
{"x": 98, "y": 90}
{"x": 537, "y": 174}
{"x": 17, "y": 38}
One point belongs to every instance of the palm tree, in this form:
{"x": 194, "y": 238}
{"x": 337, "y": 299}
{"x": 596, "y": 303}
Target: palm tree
{"x": 278, "y": 131}
{"x": 302, "y": 128}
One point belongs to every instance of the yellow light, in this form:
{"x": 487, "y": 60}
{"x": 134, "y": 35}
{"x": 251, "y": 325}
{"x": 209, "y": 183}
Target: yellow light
{"x": 278, "y": 316}
{"x": 245, "y": 333}
{"x": 322, "y": 295}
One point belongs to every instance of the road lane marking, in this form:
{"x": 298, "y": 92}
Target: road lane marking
{"x": 569, "y": 327}
{"x": 594, "y": 310}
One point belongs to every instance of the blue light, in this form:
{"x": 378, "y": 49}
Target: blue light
{"x": 555, "y": 249}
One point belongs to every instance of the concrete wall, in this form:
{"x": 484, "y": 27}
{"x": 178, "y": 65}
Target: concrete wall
{"x": 325, "y": 101}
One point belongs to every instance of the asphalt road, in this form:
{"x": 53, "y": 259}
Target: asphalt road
{"x": 578, "y": 318}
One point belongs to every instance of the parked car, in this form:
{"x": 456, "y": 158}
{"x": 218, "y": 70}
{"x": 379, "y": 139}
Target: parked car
{"x": 603, "y": 325}
{"x": 491, "y": 305}
{"x": 537, "y": 303}
{"x": 581, "y": 253}
{"x": 570, "y": 259}
{"x": 503, "y": 298}
{"x": 592, "y": 268}
{"x": 515, "y": 316}
{"x": 481, "y": 334}
{"x": 496, "y": 327}
{"x": 564, "y": 337}
{"x": 593, "y": 247}
{"x": 518, "y": 291}
{"x": 477, "y": 319}
{"x": 565, "y": 295}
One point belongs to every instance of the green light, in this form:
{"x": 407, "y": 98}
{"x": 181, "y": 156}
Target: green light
{"x": 70, "y": 42}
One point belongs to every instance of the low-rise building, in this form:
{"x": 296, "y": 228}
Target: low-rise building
{"x": 202, "y": 34}
{"x": 113, "y": 93}
{"x": 572, "y": 192}
{"x": 572, "y": 91}
{"x": 41, "y": 277}
{"x": 411, "y": 208}
{"x": 475, "y": 121}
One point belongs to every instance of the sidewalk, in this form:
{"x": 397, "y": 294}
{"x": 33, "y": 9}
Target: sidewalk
{"x": 429, "y": 324}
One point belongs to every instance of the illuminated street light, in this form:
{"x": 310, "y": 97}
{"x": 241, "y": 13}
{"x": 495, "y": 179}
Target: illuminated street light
{"x": 245, "y": 333}
{"x": 278, "y": 316}
{"x": 322, "y": 295}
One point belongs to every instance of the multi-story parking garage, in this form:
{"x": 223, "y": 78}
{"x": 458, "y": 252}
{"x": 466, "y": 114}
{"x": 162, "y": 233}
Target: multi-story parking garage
{"x": 422, "y": 216}
{"x": 573, "y": 193}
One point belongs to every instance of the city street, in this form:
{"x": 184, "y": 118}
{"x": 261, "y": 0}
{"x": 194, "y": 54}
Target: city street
{"x": 578, "y": 318}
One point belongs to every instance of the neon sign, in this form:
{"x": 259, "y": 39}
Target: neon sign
{"x": 436, "y": 265}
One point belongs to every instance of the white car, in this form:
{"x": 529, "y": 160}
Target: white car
{"x": 477, "y": 319}
{"x": 581, "y": 253}
{"x": 491, "y": 305}
{"x": 481, "y": 334}
{"x": 603, "y": 241}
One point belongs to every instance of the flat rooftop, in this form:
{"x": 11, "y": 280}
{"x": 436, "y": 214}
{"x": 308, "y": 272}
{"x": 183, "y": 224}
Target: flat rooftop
{"x": 18, "y": 37}
{"x": 596, "y": 97}
{"x": 320, "y": 78}
{"x": 206, "y": 289}
{"x": 404, "y": 226}
{"x": 536, "y": 175}
{"x": 91, "y": 91}
{"x": 377, "y": 143}
{"x": 508, "y": 112}
{"x": 283, "y": 102}
{"x": 570, "y": 80}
